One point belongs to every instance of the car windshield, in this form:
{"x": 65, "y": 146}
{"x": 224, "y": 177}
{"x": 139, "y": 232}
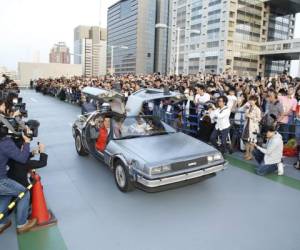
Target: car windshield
{"x": 140, "y": 126}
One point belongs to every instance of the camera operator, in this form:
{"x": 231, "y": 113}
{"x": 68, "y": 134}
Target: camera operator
{"x": 19, "y": 172}
{"x": 221, "y": 117}
{"x": 14, "y": 106}
{"x": 10, "y": 188}
{"x": 269, "y": 158}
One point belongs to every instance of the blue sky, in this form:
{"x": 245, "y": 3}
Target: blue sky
{"x": 31, "y": 27}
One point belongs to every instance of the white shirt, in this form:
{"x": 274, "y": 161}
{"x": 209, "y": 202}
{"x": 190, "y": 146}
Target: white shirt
{"x": 232, "y": 99}
{"x": 273, "y": 152}
{"x": 202, "y": 98}
{"x": 222, "y": 118}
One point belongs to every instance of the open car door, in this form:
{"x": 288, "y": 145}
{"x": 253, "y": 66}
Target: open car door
{"x": 135, "y": 101}
{"x": 115, "y": 99}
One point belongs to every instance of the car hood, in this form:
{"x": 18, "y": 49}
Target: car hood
{"x": 166, "y": 148}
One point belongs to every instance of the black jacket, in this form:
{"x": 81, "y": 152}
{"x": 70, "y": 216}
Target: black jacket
{"x": 18, "y": 171}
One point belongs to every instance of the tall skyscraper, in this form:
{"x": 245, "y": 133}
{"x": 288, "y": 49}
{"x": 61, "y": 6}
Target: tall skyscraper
{"x": 162, "y": 42}
{"x": 236, "y": 35}
{"x": 90, "y": 49}
{"x": 131, "y": 36}
{"x": 60, "y": 53}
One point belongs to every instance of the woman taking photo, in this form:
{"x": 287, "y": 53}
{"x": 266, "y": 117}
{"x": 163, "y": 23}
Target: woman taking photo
{"x": 251, "y": 128}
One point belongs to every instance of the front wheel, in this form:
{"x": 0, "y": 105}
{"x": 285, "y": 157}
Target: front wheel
{"x": 122, "y": 177}
{"x": 78, "y": 145}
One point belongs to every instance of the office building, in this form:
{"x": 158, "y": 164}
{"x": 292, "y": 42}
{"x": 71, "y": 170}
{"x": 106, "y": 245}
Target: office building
{"x": 162, "y": 42}
{"x": 90, "y": 49}
{"x": 249, "y": 37}
{"x": 60, "y": 53}
{"x": 131, "y": 37}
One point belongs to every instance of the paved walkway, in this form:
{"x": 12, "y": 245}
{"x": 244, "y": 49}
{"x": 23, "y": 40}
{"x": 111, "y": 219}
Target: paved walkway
{"x": 236, "y": 210}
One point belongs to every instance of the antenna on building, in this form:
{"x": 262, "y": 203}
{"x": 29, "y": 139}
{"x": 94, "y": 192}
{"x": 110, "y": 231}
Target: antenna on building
{"x": 100, "y": 15}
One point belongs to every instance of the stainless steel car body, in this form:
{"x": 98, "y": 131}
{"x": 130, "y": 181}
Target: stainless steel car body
{"x": 181, "y": 156}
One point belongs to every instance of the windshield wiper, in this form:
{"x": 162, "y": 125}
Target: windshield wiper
{"x": 130, "y": 137}
{"x": 161, "y": 133}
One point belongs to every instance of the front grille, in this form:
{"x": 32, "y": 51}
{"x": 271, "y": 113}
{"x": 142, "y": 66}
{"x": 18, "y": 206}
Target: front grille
{"x": 189, "y": 164}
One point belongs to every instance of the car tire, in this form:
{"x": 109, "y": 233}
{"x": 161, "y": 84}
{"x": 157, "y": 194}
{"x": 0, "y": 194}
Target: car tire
{"x": 122, "y": 177}
{"x": 78, "y": 145}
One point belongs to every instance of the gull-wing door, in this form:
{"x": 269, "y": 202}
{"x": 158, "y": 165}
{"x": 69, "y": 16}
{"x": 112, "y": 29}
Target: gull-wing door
{"x": 135, "y": 101}
{"x": 114, "y": 98}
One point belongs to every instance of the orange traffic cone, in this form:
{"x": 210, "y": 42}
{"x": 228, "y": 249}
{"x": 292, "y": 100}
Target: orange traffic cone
{"x": 39, "y": 207}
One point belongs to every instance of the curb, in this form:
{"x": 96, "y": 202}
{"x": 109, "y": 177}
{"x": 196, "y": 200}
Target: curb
{"x": 250, "y": 167}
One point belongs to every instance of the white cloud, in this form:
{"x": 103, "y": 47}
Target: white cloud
{"x": 28, "y": 26}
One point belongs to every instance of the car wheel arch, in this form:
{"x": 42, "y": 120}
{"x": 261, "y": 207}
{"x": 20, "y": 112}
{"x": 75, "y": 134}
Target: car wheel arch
{"x": 116, "y": 158}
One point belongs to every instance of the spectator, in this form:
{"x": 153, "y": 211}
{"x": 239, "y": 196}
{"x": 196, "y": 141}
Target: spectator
{"x": 251, "y": 128}
{"x": 289, "y": 104}
{"x": 201, "y": 96}
{"x": 232, "y": 101}
{"x": 274, "y": 109}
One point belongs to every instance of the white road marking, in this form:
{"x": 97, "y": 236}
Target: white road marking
{"x": 33, "y": 99}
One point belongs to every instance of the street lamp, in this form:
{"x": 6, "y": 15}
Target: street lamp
{"x": 178, "y": 30}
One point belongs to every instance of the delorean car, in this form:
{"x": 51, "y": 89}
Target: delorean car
{"x": 141, "y": 150}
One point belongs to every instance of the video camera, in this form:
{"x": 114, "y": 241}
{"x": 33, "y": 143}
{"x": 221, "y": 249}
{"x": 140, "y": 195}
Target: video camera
{"x": 20, "y": 106}
{"x": 15, "y": 128}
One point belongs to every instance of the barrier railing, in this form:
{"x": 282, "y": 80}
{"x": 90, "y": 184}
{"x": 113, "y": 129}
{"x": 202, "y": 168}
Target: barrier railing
{"x": 191, "y": 123}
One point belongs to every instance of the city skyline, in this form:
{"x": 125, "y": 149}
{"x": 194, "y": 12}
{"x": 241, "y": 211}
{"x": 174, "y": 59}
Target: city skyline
{"x": 43, "y": 23}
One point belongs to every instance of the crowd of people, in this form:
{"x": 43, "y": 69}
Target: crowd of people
{"x": 236, "y": 112}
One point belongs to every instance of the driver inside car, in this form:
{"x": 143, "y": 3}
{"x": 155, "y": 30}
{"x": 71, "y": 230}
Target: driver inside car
{"x": 140, "y": 127}
{"x": 103, "y": 135}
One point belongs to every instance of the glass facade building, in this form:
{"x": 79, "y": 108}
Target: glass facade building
{"x": 231, "y": 37}
{"x": 131, "y": 37}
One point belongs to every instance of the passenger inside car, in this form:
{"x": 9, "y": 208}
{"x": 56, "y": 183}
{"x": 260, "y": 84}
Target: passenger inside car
{"x": 140, "y": 127}
{"x": 94, "y": 128}
{"x": 103, "y": 135}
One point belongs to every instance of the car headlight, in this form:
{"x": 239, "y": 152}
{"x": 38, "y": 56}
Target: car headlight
{"x": 210, "y": 158}
{"x": 161, "y": 169}
{"x": 217, "y": 157}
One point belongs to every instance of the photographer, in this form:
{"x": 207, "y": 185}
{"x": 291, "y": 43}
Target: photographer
{"x": 10, "y": 188}
{"x": 19, "y": 172}
{"x": 269, "y": 158}
{"x": 221, "y": 117}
